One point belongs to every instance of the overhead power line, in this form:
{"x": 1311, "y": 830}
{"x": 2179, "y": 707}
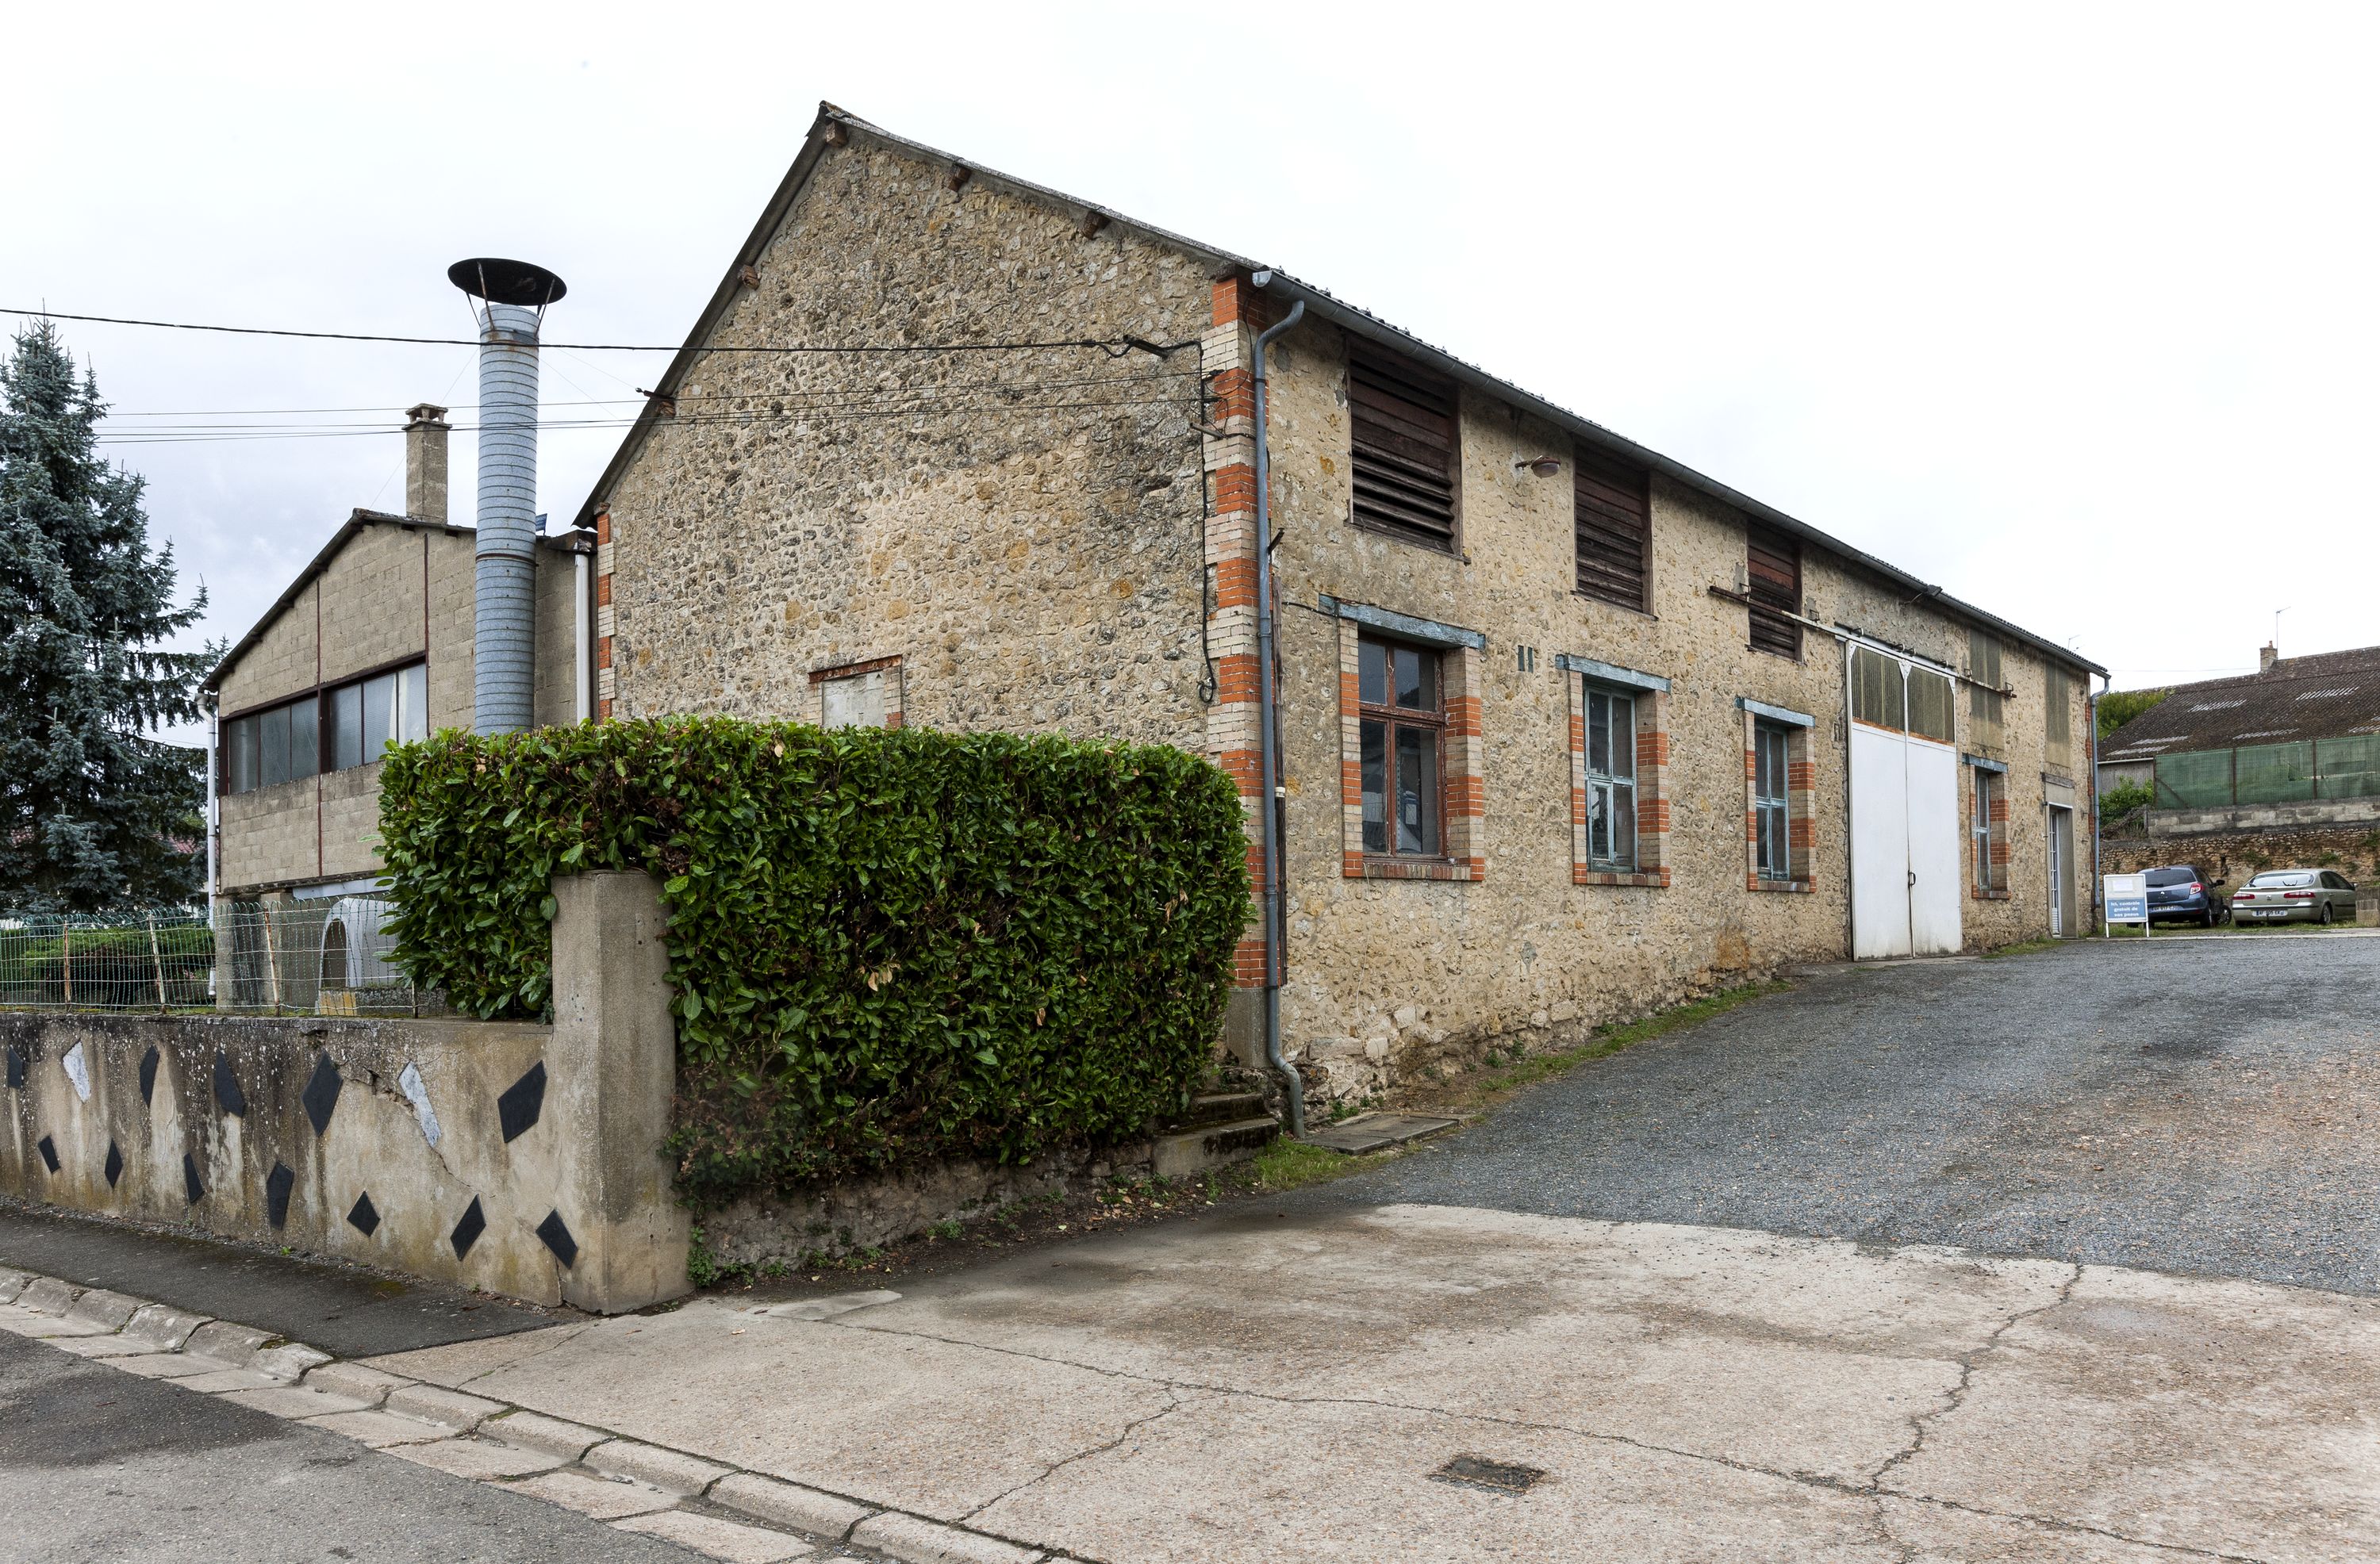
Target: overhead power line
{"x": 1113, "y": 346}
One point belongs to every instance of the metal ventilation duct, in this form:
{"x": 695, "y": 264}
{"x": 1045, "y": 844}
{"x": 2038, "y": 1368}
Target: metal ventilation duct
{"x": 513, "y": 295}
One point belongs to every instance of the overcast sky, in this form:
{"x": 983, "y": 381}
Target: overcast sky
{"x": 2068, "y": 310}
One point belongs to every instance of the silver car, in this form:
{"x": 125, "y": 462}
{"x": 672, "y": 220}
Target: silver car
{"x": 2295, "y": 896}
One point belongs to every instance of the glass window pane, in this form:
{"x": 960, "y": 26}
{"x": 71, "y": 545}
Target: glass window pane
{"x": 412, "y": 703}
{"x": 1598, "y": 733}
{"x": 380, "y": 714}
{"x": 272, "y": 745}
{"x": 346, "y": 704}
{"x": 1372, "y": 673}
{"x": 1417, "y": 790}
{"x": 243, "y": 765}
{"x": 1599, "y": 822}
{"x": 1416, "y": 673}
{"x": 1623, "y": 736}
{"x": 1375, "y": 787}
{"x": 1624, "y": 826}
{"x": 305, "y": 741}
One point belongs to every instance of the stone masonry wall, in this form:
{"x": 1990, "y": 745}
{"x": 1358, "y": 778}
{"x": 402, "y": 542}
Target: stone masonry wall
{"x": 1019, "y": 529}
{"x": 1388, "y": 975}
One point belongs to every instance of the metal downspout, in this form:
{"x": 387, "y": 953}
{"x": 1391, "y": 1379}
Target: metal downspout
{"x": 1268, "y": 718}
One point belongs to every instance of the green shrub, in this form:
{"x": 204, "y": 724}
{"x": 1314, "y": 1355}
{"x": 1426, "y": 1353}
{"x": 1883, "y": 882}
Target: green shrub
{"x": 885, "y": 946}
{"x": 112, "y": 966}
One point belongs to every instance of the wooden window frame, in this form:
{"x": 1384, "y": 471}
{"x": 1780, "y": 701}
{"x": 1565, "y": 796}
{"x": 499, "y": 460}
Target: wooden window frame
{"x": 1987, "y": 830}
{"x": 1610, "y": 781}
{"x": 1799, "y": 808}
{"x": 1394, "y": 718}
{"x": 1461, "y": 755}
{"x": 1770, "y": 605}
{"x": 1370, "y": 516}
{"x": 1772, "y": 810}
{"x": 1611, "y": 471}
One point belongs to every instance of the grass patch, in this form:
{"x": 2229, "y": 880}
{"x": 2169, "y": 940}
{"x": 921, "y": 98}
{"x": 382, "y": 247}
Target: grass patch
{"x": 1287, "y": 1164}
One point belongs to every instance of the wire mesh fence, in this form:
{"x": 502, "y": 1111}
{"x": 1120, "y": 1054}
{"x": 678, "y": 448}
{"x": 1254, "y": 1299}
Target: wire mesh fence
{"x": 329, "y": 956}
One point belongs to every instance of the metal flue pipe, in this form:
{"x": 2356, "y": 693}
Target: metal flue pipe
{"x": 512, "y": 298}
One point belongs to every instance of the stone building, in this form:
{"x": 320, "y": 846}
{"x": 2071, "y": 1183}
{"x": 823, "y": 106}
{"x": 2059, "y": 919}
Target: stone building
{"x": 370, "y": 645}
{"x": 2276, "y": 768}
{"x": 1567, "y": 729}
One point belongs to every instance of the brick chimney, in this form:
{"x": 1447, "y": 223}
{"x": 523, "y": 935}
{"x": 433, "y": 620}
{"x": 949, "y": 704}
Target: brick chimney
{"x": 2266, "y": 656}
{"x": 425, "y": 462}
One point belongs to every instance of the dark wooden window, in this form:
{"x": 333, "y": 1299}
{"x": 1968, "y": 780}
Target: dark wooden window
{"x": 1614, "y": 536}
{"x": 1776, "y": 590}
{"x": 1404, "y": 448}
{"x": 1404, "y": 723}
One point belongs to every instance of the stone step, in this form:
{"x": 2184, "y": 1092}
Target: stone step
{"x": 1219, "y": 1107}
{"x": 1180, "y": 1152}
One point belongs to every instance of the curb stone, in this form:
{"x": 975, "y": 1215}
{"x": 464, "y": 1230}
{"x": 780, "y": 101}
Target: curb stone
{"x": 434, "y": 1427}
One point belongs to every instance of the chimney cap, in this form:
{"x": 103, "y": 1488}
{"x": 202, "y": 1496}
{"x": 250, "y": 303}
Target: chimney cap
{"x": 425, "y": 413}
{"x": 506, "y": 282}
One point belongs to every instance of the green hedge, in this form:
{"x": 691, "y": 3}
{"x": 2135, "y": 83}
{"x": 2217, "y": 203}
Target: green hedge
{"x": 885, "y": 946}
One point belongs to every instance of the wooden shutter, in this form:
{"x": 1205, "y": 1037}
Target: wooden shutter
{"x": 1776, "y": 590}
{"x": 1611, "y": 514}
{"x": 1403, "y": 419}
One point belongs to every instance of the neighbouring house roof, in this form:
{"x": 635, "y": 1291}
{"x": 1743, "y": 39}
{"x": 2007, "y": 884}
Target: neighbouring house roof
{"x": 1319, "y": 302}
{"x": 358, "y": 519}
{"x": 2328, "y": 695}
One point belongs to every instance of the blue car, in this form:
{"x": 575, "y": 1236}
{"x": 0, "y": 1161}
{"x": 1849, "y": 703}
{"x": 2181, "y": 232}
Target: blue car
{"x": 2187, "y": 894}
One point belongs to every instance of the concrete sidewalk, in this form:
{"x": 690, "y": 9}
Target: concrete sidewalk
{"x": 1278, "y": 1386}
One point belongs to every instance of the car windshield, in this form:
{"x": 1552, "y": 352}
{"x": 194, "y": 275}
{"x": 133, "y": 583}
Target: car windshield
{"x": 2283, "y": 878}
{"x": 2171, "y": 876}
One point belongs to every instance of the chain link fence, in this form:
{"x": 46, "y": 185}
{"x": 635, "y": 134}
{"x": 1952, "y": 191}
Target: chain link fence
{"x": 326, "y": 957}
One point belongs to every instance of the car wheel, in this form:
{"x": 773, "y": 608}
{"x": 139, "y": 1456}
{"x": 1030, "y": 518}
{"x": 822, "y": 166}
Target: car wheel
{"x": 2206, "y": 919}
{"x": 2325, "y": 915}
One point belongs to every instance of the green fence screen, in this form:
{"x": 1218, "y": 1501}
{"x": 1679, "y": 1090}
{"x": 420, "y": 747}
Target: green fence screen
{"x": 2273, "y": 773}
{"x": 2350, "y": 766}
{"x": 2200, "y": 780}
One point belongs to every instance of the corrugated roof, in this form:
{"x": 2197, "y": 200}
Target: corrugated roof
{"x": 1319, "y": 302}
{"x": 2327, "y": 694}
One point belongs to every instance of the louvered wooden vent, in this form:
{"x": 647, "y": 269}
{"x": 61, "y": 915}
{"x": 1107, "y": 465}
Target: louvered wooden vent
{"x": 1613, "y": 536}
{"x": 1403, "y": 418}
{"x": 1776, "y": 590}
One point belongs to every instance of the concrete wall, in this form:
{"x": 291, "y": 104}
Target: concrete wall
{"x": 396, "y": 590}
{"x": 279, "y": 1132}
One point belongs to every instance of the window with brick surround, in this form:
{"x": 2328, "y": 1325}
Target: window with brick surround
{"x": 1412, "y": 793}
{"x": 1987, "y": 826}
{"x": 1618, "y": 764}
{"x": 1402, "y": 436}
{"x": 1780, "y": 799}
{"x": 1611, "y": 511}
{"x": 1403, "y": 744}
{"x": 1773, "y": 574}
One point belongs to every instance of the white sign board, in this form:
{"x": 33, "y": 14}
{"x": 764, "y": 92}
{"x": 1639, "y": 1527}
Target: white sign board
{"x": 2125, "y": 897}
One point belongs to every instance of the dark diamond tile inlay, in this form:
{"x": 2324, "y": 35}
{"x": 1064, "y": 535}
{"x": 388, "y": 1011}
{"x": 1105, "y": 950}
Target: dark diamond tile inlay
{"x": 49, "y": 1150}
{"x": 322, "y": 1093}
{"x": 148, "y": 1075}
{"x": 16, "y": 1068}
{"x": 557, "y": 1237}
{"x": 229, "y": 1095}
{"x": 467, "y": 1231}
{"x": 114, "y": 1169}
{"x": 277, "y": 1185}
{"x": 363, "y": 1218}
{"x": 190, "y": 1183}
{"x": 518, "y": 1109}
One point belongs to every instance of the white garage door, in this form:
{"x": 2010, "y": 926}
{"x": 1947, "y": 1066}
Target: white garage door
{"x": 1905, "y": 839}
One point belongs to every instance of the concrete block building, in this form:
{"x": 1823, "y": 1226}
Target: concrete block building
{"x": 371, "y": 644}
{"x": 1565, "y": 730}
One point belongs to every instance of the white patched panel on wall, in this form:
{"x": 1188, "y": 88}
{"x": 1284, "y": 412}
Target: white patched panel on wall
{"x": 856, "y": 700}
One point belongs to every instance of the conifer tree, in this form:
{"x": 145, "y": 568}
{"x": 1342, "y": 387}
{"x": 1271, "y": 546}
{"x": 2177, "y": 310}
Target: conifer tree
{"x": 95, "y": 810}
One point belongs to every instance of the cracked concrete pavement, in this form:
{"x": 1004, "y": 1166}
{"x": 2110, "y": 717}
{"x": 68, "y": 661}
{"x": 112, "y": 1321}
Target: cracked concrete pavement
{"x": 1284, "y": 1382}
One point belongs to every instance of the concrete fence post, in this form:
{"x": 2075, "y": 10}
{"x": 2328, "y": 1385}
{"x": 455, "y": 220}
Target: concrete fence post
{"x": 614, "y": 1054}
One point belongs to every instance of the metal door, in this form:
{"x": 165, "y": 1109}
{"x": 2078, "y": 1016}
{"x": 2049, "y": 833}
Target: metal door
{"x": 1935, "y": 859}
{"x": 1879, "y": 842}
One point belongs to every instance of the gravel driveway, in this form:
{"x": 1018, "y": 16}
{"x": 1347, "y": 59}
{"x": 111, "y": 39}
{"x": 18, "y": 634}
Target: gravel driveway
{"x": 2196, "y": 1106}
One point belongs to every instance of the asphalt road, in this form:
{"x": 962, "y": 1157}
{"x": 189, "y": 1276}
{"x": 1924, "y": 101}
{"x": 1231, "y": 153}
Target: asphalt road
{"x": 2205, "y": 1107}
{"x": 98, "y": 1464}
